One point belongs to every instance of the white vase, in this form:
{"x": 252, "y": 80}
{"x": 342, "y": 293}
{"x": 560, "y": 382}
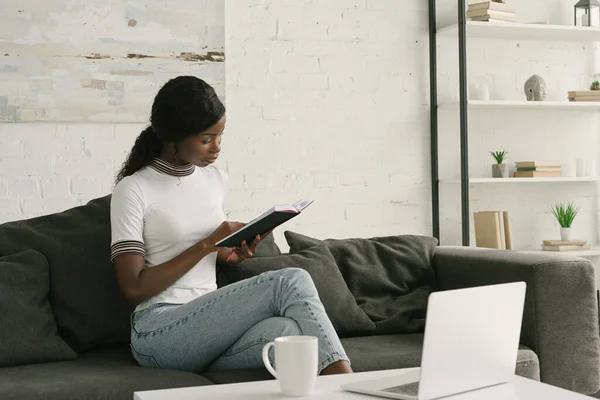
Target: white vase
{"x": 565, "y": 234}
{"x": 479, "y": 91}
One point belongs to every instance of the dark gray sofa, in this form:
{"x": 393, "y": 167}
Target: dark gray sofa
{"x": 559, "y": 339}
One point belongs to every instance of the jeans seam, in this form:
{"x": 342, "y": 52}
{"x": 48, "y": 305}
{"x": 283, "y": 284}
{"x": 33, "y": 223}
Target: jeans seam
{"x": 136, "y": 315}
{"x": 150, "y": 358}
{"x": 248, "y": 345}
{"x": 181, "y": 320}
{"x": 312, "y": 313}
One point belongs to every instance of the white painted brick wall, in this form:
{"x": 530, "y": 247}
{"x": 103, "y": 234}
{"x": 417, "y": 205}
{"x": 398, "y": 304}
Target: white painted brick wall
{"x": 315, "y": 93}
{"x": 326, "y": 107}
{"x": 327, "y": 99}
{"x": 46, "y": 168}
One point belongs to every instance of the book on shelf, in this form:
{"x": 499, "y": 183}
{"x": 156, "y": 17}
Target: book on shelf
{"x": 564, "y": 242}
{"x": 537, "y": 174}
{"x": 507, "y": 231}
{"x": 584, "y": 95}
{"x": 491, "y": 5}
{"x": 490, "y": 11}
{"x": 264, "y": 223}
{"x": 491, "y": 18}
{"x": 565, "y": 245}
{"x": 493, "y": 230}
{"x": 537, "y": 164}
{"x": 537, "y": 169}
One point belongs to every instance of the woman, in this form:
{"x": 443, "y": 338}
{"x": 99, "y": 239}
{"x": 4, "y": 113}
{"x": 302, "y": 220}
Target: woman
{"x": 167, "y": 213}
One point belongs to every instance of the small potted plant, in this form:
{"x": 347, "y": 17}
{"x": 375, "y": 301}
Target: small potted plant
{"x": 595, "y": 85}
{"x": 499, "y": 170}
{"x": 565, "y": 214}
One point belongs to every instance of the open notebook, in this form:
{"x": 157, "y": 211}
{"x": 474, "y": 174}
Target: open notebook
{"x": 269, "y": 220}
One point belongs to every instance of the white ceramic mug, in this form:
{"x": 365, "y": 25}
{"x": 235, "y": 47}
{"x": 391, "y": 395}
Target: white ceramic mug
{"x": 296, "y": 363}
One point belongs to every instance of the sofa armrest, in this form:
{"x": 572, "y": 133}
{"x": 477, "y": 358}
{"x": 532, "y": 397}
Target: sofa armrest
{"x": 560, "y": 321}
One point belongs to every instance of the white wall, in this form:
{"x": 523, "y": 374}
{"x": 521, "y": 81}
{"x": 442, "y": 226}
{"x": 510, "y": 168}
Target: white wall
{"x": 326, "y": 99}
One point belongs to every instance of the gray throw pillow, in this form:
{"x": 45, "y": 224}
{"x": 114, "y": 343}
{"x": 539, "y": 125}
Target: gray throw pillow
{"x": 390, "y": 277}
{"x": 345, "y": 315}
{"x": 267, "y": 247}
{"x": 28, "y": 332}
{"x": 89, "y": 308}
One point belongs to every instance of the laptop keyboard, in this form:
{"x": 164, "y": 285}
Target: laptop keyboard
{"x": 411, "y": 389}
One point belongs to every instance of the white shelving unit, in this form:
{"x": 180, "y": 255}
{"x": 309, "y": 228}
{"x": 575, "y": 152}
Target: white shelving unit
{"x": 592, "y": 252}
{"x": 524, "y": 105}
{"x": 517, "y": 31}
{"x": 524, "y": 32}
{"x": 501, "y": 181}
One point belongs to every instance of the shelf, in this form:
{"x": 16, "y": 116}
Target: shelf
{"x": 525, "y": 180}
{"x": 519, "y": 31}
{"x": 491, "y": 33}
{"x": 592, "y": 252}
{"x": 525, "y": 105}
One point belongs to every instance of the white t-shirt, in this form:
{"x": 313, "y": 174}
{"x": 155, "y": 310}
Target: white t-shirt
{"x": 161, "y": 211}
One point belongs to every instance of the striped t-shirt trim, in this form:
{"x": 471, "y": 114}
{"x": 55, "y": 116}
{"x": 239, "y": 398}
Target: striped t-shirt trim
{"x": 127, "y": 247}
{"x": 166, "y": 167}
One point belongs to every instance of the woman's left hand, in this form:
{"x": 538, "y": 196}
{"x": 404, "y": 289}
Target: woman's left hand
{"x": 245, "y": 251}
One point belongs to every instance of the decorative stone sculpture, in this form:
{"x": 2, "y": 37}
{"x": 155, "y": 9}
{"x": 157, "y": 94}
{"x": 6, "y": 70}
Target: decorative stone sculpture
{"x": 535, "y": 88}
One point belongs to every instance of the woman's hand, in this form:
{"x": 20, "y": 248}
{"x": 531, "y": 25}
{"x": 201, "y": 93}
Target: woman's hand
{"x": 225, "y": 229}
{"x": 245, "y": 251}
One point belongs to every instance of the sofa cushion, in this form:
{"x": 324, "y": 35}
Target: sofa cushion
{"x": 108, "y": 374}
{"x": 373, "y": 353}
{"x": 28, "y": 332}
{"x": 87, "y": 304}
{"x": 391, "y": 277}
{"x": 345, "y": 315}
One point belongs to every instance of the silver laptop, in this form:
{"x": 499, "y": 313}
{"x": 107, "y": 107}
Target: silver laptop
{"x": 471, "y": 342}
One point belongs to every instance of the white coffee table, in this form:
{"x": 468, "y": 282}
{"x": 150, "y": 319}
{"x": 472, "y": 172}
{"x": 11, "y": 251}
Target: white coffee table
{"x": 328, "y": 387}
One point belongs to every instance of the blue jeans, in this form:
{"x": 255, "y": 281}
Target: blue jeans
{"x": 227, "y": 329}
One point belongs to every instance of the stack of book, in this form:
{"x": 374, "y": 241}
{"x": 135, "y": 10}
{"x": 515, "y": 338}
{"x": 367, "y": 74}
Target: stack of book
{"x": 490, "y": 11}
{"x": 565, "y": 245}
{"x": 584, "y": 95}
{"x": 537, "y": 169}
{"x": 492, "y": 230}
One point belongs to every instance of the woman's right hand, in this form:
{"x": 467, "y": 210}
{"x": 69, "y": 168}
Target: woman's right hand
{"x": 224, "y": 230}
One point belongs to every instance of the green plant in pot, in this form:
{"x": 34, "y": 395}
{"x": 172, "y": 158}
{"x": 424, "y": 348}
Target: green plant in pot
{"x": 565, "y": 214}
{"x": 499, "y": 170}
{"x": 595, "y": 85}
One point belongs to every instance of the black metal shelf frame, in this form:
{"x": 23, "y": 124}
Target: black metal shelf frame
{"x": 464, "y": 144}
